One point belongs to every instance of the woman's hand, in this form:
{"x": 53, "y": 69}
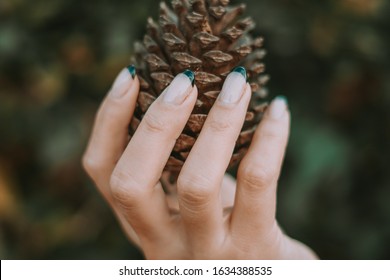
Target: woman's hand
{"x": 195, "y": 225}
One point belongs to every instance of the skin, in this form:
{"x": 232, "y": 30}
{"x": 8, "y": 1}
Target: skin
{"x": 211, "y": 216}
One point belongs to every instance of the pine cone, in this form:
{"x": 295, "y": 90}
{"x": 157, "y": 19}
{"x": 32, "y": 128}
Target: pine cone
{"x": 209, "y": 38}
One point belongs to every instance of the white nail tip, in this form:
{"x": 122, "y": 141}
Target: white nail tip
{"x": 177, "y": 91}
{"x": 233, "y": 88}
{"x": 122, "y": 78}
{"x": 277, "y": 108}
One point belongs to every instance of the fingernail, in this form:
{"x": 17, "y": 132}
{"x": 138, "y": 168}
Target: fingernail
{"x": 119, "y": 88}
{"x": 233, "y": 87}
{"x": 190, "y": 76}
{"x": 132, "y": 70}
{"x": 240, "y": 70}
{"x": 179, "y": 89}
{"x": 278, "y": 107}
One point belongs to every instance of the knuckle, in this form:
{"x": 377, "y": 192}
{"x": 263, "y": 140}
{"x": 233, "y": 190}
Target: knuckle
{"x": 91, "y": 165}
{"x": 256, "y": 177}
{"x": 124, "y": 189}
{"x": 274, "y": 131}
{"x": 194, "y": 191}
{"x": 219, "y": 125}
{"x": 153, "y": 123}
{"x": 108, "y": 111}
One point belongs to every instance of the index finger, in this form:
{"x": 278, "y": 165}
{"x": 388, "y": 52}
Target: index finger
{"x": 133, "y": 182}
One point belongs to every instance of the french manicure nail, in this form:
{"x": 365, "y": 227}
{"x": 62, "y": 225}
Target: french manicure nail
{"x": 132, "y": 70}
{"x": 190, "y": 76}
{"x": 278, "y": 107}
{"x": 118, "y": 89}
{"x": 233, "y": 87}
{"x": 179, "y": 89}
{"x": 241, "y": 70}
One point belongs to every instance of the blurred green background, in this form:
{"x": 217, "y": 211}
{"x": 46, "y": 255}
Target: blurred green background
{"x": 330, "y": 58}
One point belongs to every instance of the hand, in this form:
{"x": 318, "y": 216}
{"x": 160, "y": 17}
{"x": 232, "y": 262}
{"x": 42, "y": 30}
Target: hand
{"x": 193, "y": 226}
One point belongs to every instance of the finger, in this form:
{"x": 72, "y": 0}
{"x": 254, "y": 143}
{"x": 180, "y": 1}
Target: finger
{"x": 134, "y": 180}
{"x": 228, "y": 191}
{"x": 110, "y": 133}
{"x": 258, "y": 173}
{"x": 201, "y": 177}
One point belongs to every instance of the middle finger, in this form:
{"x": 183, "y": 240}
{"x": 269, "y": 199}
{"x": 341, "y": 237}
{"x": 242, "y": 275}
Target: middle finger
{"x": 201, "y": 177}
